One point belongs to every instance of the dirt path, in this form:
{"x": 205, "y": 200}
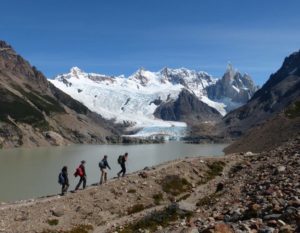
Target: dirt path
{"x": 105, "y": 208}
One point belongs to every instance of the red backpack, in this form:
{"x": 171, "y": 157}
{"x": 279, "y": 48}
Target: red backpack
{"x": 78, "y": 172}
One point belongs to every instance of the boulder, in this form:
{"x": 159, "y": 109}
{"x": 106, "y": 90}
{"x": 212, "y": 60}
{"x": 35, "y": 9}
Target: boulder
{"x": 55, "y": 138}
{"x": 185, "y": 206}
{"x": 143, "y": 175}
{"x": 281, "y": 169}
{"x": 57, "y": 212}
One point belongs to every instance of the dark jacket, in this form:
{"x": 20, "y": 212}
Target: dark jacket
{"x": 104, "y": 164}
{"x": 65, "y": 176}
{"x": 123, "y": 161}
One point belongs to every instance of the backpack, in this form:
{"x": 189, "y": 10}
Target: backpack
{"x": 61, "y": 179}
{"x": 78, "y": 172}
{"x": 120, "y": 159}
{"x": 101, "y": 164}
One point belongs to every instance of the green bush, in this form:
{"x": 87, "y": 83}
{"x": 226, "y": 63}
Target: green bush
{"x": 175, "y": 185}
{"x": 156, "y": 218}
{"x": 136, "y": 208}
{"x": 52, "y": 222}
{"x": 44, "y": 103}
{"x": 214, "y": 169}
{"x": 18, "y": 109}
{"x": 294, "y": 110}
{"x": 77, "y": 229}
{"x": 131, "y": 191}
{"x": 158, "y": 198}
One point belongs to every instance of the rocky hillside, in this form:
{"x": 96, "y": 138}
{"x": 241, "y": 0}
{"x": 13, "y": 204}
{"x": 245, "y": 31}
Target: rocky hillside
{"x": 281, "y": 90}
{"x": 237, "y": 193}
{"x": 188, "y": 108}
{"x": 272, "y": 133}
{"x": 33, "y": 112}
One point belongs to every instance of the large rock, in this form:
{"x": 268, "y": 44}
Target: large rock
{"x": 186, "y": 206}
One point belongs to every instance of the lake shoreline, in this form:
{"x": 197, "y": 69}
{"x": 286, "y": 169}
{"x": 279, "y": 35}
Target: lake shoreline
{"x": 127, "y": 140}
{"x": 25, "y": 211}
{"x": 232, "y": 193}
{"x": 33, "y": 172}
{"x": 71, "y": 192}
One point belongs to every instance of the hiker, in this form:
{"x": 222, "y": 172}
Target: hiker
{"x": 63, "y": 180}
{"x": 80, "y": 171}
{"x": 103, "y": 165}
{"x": 122, "y": 160}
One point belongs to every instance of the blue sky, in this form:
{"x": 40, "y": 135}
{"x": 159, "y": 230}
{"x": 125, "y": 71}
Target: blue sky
{"x": 119, "y": 36}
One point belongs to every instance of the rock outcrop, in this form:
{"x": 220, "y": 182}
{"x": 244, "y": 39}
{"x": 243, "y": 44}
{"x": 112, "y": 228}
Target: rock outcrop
{"x": 271, "y": 134}
{"x": 187, "y": 107}
{"x": 232, "y": 86}
{"x": 31, "y": 107}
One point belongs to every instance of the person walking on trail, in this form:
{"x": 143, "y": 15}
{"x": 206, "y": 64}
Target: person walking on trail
{"x": 80, "y": 171}
{"x": 103, "y": 165}
{"x": 63, "y": 180}
{"x": 122, "y": 160}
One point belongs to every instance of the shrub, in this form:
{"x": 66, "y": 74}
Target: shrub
{"x": 156, "y": 218}
{"x": 157, "y": 198}
{"x": 175, "y": 185}
{"x": 215, "y": 169}
{"x": 136, "y": 208}
{"x": 78, "y": 229}
{"x": 294, "y": 110}
{"x": 52, "y": 222}
{"x": 131, "y": 191}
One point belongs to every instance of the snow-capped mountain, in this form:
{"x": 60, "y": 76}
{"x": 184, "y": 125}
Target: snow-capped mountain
{"x": 233, "y": 89}
{"x": 134, "y": 100}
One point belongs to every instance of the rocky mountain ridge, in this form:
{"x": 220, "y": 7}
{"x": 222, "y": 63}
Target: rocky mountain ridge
{"x": 270, "y": 134}
{"x": 232, "y": 88}
{"x": 139, "y": 98}
{"x": 188, "y": 108}
{"x": 276, "y": 95}
{"x": 35, "y": 113}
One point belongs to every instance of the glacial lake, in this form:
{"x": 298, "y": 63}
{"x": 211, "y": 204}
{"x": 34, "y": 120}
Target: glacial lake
{"x": 30, "y": 173}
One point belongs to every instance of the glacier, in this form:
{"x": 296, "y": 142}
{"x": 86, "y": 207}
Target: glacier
{"x": 132, "y": 101}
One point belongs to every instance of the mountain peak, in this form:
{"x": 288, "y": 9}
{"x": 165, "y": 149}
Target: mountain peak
{"x": 233, "y": 85}
{"x": 4, "y": 45}
{"x": 230, "y": 69}
{"x": 6, "y": 49}
{"x": 75, "y": 69}
{"x": 76, "y": 72}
